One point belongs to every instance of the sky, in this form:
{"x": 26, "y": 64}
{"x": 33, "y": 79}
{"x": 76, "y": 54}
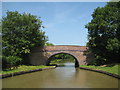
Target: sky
{"x": 64, "y": 21}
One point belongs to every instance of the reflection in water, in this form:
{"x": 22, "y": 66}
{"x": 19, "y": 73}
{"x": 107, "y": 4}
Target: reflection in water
{"x": 61, "y": 77}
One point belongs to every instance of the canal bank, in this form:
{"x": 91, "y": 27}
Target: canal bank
{"x": 24, "y": 72}
{"x": 109, "y": 69}
{"x": 100, "y": 71}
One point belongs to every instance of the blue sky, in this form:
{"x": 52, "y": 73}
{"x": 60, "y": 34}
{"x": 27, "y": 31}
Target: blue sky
{"x": 64, "y": 21}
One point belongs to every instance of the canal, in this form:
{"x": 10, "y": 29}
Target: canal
{"x": 61, "y": 77}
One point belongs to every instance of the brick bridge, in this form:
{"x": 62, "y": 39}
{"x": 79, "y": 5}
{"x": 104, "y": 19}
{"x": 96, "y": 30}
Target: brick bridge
{"x": 41, "y": 56}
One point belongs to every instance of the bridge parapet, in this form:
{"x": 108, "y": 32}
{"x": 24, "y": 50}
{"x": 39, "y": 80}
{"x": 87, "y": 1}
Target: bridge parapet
{"x": 59, "y": 48}
{"x": 66, "y": 48}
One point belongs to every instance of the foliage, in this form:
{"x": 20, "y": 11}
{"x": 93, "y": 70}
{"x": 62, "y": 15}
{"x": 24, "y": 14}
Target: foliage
{"x": 0, "y": 39}
{"x": 104, "y": 33}
{"x": 4, "y": 62}
{"x": 13, "y": 60}
{"x": 10, "y": 61}
{"x": 113, "y": 45}
{"x": 63, "y": 56}
{"x": 21, "y": 33}
{"x": 60, "y": 59}
{"x": 61, "y": 62}
{"x": 49, "y": 44}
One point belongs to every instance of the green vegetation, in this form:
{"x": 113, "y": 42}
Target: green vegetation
{"x": 49, "y": 44}
{"x": 10, "y": 61}
{"x": 56, "y": 61}
{"x": 60, "y": 62}
{"x": 111, "y": 69}
{"x": 104, "y": 38}
{"x": 104, "y": 34}
{"x": 23, "y": 68}
{"x": 20, "y": 33}
{"x": 62, "y": 56}
{"x": 60, "y": 59}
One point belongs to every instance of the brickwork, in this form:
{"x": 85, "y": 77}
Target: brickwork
{"x": 41, "y": 56}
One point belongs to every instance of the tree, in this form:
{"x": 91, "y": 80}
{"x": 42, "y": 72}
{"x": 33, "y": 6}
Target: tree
{"x": 63, "y": 56}
{"x": 21, "y": 33}
{"x": 104, "y": 33}
{"x": 49, "y": 44}
{"x": 0, "y": 38}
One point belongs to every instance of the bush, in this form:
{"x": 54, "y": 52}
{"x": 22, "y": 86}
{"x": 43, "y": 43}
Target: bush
{"x": 4, "y": 62}
{"x": 14, "y": 60}
{"x": 10, "y": 61}
{"x": 98, "y": 61}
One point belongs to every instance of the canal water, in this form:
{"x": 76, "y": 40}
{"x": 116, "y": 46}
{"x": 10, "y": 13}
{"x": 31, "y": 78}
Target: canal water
{"x": 61, "y": 77}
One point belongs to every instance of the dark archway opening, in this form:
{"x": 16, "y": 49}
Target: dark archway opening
{"x": 62, "y": 59}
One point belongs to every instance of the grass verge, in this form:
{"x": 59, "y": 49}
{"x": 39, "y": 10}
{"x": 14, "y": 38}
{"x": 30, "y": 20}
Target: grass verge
{"x": 111, "y": 69}
{"x": 23, "y": 68}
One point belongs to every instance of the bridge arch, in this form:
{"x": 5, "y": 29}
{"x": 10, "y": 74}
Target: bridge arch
{"x": 52, "y": 55}
{"x": 41, "y": 55}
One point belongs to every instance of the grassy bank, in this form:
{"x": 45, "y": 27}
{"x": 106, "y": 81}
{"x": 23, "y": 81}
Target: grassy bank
{"x": 24, "y": 68}
{"x": 111, "y": 69}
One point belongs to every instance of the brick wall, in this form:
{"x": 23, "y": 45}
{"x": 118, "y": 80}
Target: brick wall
{"x": 40, "y": 56}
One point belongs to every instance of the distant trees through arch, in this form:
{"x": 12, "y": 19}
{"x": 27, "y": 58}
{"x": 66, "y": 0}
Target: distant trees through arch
{"x": 60, "y": 59}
